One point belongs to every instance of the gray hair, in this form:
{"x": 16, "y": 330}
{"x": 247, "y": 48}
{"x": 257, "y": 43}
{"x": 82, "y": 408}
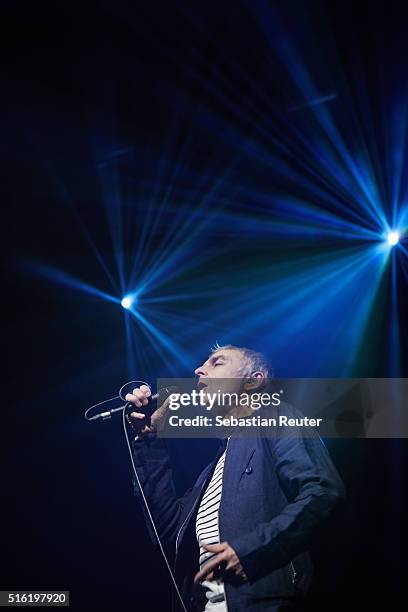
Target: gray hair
{"x": 253, "y": 361}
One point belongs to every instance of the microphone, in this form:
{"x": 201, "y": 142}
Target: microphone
{"x": 157, "y": 398}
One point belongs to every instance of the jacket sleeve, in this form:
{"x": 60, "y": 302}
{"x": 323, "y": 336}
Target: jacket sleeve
{"x": 312, "y": 487}
{"x": 152, "y": 464}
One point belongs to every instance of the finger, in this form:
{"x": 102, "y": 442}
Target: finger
{"x": 147, "y": 393}
{"x": 142, "y": 392}
{"x": 208, "y": 567}
{"x": 129, "y": 397}
{"x": 202, "y": 574}
{"x": 138, "y": 393}
{"x": 215, "y": 547}
{"x": 208, "y": 573}
{"x": 137, "y": 415}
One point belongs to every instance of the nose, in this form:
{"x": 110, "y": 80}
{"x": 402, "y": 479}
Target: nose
{"x": 200, "y": 371}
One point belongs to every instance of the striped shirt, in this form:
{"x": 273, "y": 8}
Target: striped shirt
{"x": 207, "y": 529}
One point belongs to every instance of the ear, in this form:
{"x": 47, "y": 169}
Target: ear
{"x": 255, "y": 382}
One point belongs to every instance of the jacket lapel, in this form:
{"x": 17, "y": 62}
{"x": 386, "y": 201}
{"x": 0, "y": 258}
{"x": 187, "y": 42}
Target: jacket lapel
{"x": 238, "y": 455}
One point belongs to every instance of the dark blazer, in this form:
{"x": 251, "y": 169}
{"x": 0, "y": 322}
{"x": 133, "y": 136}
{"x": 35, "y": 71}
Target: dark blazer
{"x": 276, "y": 491}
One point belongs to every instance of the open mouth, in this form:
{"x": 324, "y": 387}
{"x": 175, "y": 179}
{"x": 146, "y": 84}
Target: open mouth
{"x": 201, "y": 385}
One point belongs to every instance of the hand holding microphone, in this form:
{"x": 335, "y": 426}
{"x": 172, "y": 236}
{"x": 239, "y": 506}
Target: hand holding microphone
{"x": 140, "y": 398}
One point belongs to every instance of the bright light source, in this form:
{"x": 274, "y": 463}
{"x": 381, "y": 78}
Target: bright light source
{"x": 393, "y": 238}
{"x": 126, "y": 302}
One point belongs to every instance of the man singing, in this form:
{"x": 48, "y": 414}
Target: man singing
{"x": 242, "y": 531}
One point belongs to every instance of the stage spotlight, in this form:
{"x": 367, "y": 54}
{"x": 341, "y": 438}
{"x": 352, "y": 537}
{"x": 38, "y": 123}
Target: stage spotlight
{"x": 393, "y": 238}
{"x": 127, "y": 302}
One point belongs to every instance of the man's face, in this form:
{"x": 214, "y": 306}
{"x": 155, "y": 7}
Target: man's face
{"x": 224, "y": 364}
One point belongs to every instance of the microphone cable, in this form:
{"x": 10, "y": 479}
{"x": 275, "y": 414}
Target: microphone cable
{"x": 139, "y": 484}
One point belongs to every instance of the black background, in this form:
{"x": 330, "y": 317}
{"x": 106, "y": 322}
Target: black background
{"x": 82, "y": 80}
